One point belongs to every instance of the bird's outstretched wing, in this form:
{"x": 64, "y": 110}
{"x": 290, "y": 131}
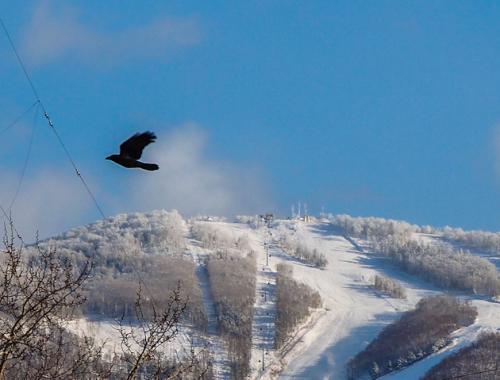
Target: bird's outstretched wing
{"x": 134, "y": 146}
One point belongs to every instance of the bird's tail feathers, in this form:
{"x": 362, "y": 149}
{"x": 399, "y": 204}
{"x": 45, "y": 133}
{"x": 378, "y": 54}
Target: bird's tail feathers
{"x": 150, "y": 167}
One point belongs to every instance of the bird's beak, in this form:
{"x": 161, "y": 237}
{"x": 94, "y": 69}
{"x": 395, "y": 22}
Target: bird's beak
{"x": 108, "y": 158}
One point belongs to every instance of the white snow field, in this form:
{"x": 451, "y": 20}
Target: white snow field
{"x": 352, "y": 314}
{"x": 105, "y": 332}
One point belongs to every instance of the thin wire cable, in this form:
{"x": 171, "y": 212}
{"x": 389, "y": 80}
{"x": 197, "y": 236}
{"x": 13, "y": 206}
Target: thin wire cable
{"x": 70, "y": 158}
{"x": 49, "y": 121}
{"x": 17, "y": 119}
{"x": 19, "y": 60}
{"x": 26, "y": 160}
{"x": 61, "y": 142}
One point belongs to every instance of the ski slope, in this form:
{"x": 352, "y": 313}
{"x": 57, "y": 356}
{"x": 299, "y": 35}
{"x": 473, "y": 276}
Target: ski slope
{"x": 352, "y": 314}
{"x": 356, "y": 314}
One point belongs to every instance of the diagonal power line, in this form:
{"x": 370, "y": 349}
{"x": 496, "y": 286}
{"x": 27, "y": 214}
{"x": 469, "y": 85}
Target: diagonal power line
{"x": 49, "y": 120}
{"x": 61, "y": 142}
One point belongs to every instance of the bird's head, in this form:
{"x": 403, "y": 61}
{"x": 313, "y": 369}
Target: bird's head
{"x": 111, "y": 157}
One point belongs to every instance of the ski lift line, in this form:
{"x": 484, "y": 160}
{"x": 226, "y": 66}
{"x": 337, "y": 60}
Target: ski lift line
{"x": 26, "y": 160}
{"x": 17, "y": 119}
{"x": 49, "y": 121}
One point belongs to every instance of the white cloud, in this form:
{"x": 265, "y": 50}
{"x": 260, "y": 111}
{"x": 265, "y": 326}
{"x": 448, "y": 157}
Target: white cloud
{"x": 58, "y": 32}
{"x": 48, "y": 202}
{"x": 189, "y": 180}
{"x": 192, "y": 182}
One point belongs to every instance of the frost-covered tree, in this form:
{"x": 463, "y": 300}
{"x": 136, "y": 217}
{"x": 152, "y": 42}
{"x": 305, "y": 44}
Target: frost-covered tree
{"x": 232, "y": 281}
{"x": 480, "y": 360}
{"x": 442, "y": 265}
{"x": 481, "y": 240}
{"x": 129, "y": 248}
{"x": 438, "y": 263}
{"x": 389, "y": 286}
{"x": 424, "y": 330}
{"x": 295, "y": 302}
{"x": 41, "y": 290}
{"x": 302, "y": 251}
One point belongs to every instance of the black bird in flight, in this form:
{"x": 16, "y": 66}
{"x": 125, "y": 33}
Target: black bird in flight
{"x": 131, "y": 151}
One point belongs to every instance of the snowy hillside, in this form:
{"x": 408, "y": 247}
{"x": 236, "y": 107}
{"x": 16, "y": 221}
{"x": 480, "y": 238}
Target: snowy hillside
{"x": 352, "y": 312}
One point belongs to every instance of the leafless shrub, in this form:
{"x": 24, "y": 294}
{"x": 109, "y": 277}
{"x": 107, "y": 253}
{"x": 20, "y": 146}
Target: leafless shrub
{"x": 40, "y": 290}
{"x": 232, "y": 280}
{"x": 37, "y": 292}
{"x": 389, "y": 286}
{"x": 64, "y": 356}
{"x": 143, "y": 350}
{"x": 114, "y": 294}
{"x": 124, "y": 247}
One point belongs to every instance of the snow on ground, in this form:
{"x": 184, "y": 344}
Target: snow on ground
{"x": 263, "y": 354}
{"x": 105, "y": 332}
{"x": 211, "y": 339}
{"x": 487, "y": 321}
{"x": 352, "y": 315}
{"x": 355, "y": 313}
{"x": 263, "y": 327}
{"x": 263, "y": 330}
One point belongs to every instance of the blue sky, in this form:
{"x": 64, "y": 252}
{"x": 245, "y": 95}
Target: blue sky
{"x": 384, "y": 108}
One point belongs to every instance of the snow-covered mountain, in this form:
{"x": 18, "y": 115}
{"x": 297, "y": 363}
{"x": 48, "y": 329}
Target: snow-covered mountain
{"x": 352, "y": 312}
